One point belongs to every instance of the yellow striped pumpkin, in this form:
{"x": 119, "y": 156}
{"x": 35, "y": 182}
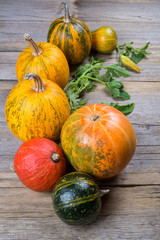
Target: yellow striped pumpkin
{"x": 36, "y": 109}
{"x": 72, "y": 36}
{"x": 104, "y": 40}
{"x": 44, "y": 59}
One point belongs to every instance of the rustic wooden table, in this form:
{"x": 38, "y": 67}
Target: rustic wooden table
{"x": 132, "y": 208}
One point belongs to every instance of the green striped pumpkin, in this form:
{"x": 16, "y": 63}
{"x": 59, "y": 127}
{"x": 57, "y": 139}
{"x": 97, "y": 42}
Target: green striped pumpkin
{"x": 76, "y": 198}
{"x": 72, "y": 36}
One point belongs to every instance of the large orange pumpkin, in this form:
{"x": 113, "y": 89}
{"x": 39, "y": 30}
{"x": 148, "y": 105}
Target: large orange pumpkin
{"x": 39, "y": 163}
{"x": 36, "y": 109}
{"x": 44, "y": 59}
{"x": 99, "y": 140}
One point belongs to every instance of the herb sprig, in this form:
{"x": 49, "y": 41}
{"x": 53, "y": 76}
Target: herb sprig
{"x": 87, "y": 75}
{"x": 135, "y": 54}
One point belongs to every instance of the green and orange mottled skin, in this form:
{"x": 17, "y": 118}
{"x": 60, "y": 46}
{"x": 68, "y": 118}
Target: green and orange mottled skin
{"x": 104, "y": 40}
{"x": 73, "y": 38}
{"x": 76, "y": 199}
{"x": 51, "y": 64}
{"x": 99, "y": 140}
{"x": 30, "y": 114}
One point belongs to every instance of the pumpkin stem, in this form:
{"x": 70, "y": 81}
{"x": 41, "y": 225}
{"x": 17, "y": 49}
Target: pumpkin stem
{"x": 38, "y": 81}
{"x": 103, "y": 192}
{"x": 94, "y": 117}
{"x": 67, "y": 18}
{"x": 55, "y": 157}
{"x": 36, "y": 50}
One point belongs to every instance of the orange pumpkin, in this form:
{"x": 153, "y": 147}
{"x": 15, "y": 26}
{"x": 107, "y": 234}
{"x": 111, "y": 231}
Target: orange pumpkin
{"x": 36, "y": 109}
{"x": 44, "y": 59}
{"x": 99, "y": 140}
{"x": 39, "y": 163}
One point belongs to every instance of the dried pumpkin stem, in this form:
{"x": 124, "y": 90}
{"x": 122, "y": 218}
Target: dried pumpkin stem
{"x": 67, "y": 18}
{"x": 38, "y": 81}
{"x": 36, "y": 50}
{"x": 55, "y": 157}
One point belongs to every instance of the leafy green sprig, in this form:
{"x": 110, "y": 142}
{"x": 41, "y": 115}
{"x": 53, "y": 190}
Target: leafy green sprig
{"x": 135, "y": 54}
{"x": 125, "y": 109}
{"x": 86, "y": 76}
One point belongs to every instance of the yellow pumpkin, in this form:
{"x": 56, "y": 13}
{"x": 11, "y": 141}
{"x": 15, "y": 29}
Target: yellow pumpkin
{"x": 44, "y": 59}
{"x": 104, "y": 40}
{"x": 36, "y": 109}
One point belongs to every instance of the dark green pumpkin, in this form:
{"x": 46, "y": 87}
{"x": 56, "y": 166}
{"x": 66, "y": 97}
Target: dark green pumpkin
{"x": 72, "y": 36}
{"x": 76, "y": 198}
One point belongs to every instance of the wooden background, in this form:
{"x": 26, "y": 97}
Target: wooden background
{"x": 132, "y": 208}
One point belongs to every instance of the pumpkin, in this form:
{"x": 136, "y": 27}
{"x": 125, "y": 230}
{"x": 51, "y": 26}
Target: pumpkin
{"x": 104, "y": 40}
{"x": 36, "y": 109}
{"x": 99, "y": 140}
{"x": 39, "y": 163}
{"x": 44, "y": 59}
{"x": 77, "y": 199}
{"x": 72, "y": 36}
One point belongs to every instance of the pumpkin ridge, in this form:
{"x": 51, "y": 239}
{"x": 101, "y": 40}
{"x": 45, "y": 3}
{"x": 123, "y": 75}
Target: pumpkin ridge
{"x": 57, "y": 109}
{"x": 75, "y": 202}
{"x": 90, "y": 111}
{"x": 36, "y": 148}
{"x": 73, "y": 181}
{"x": 77, "y": 137}
{"x": 21, "y": 59}
{"x": 93, "y": 147}
{"x": 34, "y": 175}
{"x": 70, "y": 126}
{"x": 85, "y": 39}
{"x": 57, "y": 36}
{"x": 121, "y": 129}
{"x": 53, "y": 28}
{"x": 45, "y": 69}
{"x": 110, "y": 139}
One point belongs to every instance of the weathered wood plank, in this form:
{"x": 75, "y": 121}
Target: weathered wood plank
{"x": 125, "y": 34}
{"x": 134, "y": 216}
{"x": 128, "y": 26}
{"x": 146, "y": 200}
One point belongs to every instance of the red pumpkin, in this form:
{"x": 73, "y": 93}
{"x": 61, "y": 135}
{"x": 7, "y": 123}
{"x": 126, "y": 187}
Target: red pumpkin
{"x": 39, "y": 163}
{"x": 99, "y": 140}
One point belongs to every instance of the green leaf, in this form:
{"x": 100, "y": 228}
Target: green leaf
{"x": 124, "y": 95}
{"x": 85, "y": 78}
{"x": 125, "y": 109}
{"x": 135, "y": 54}
{"x": 116, "y": 89}
{"x": 116, "y": 71}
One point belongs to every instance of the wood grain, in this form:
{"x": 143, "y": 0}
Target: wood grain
{"x": 131, "y": 211}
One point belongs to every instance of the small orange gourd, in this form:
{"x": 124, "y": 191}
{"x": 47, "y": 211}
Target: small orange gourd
{"x": 44, "y": 59}
{"x": 36, "y": 109}
{"x": 39, "y": 163}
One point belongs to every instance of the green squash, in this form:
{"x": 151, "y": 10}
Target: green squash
{"x": 76, "y": 198}
{"x": 72, "y": 36}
